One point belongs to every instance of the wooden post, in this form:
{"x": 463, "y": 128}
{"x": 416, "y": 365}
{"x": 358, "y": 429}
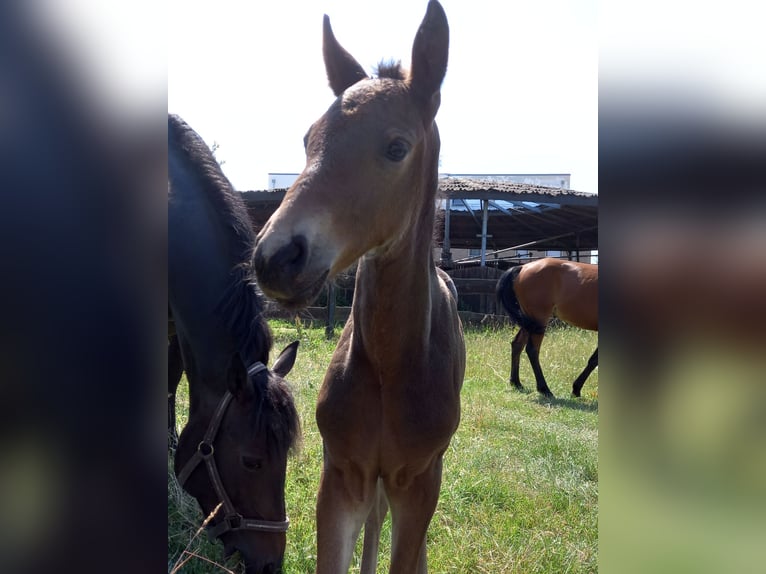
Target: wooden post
{"x": 446, "y": 254}
{"x": 577, "y": 243}
{"x": 484, "y": 216}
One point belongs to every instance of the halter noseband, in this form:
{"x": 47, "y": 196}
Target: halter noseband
{"x": 232, "y": 520}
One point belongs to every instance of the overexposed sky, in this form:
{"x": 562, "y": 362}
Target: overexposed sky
{"x": 520, "y": 95}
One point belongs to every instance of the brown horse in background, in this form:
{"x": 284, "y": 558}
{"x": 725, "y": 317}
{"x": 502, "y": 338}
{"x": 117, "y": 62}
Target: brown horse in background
{"x": 535, "y": 292}
{"x": 390, "y": 401}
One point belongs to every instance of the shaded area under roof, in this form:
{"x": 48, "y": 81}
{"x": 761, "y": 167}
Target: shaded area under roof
{"x": 518, "y": 215}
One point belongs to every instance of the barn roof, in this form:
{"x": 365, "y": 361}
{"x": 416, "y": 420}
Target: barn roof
{"x": 479, "y": 188}
{"x": 519, "y": 215}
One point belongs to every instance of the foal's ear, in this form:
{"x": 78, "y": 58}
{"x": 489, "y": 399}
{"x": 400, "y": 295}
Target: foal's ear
{"x": 343, "y": 70}
{"x": 286, "y": 359}
{"x": 238, "y": 382}
{"x": 429, "y": 58}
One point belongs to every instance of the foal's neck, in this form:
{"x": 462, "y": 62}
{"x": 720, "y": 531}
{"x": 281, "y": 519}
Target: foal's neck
{"x": 392, "y": 298}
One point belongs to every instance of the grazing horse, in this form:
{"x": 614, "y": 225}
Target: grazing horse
{"x": 242, "y": 418}
{"x": 533, "y": 293}
{"x": 390, "y": 400}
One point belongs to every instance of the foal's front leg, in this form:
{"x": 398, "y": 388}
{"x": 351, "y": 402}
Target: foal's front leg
{"x": 411, "y": 511}
{"x": 343, "y": 503}
{"x": 372, "y": 527}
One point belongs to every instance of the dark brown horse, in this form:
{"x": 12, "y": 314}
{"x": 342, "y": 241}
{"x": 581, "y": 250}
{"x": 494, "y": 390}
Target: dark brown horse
{"x": 390, "y": 401}
{"x": 535, "y": 292}
{"x": 242, "y": 419}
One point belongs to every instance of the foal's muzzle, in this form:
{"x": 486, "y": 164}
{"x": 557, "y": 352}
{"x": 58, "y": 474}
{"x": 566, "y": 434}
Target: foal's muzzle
{"x": 284, "y": 272}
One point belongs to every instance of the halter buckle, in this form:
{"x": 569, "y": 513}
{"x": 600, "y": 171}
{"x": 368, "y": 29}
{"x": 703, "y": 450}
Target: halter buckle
{"x": 205, "y": 449}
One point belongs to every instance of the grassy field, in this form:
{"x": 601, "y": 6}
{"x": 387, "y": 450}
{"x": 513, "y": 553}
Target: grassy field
{"x": 520, "y": 486}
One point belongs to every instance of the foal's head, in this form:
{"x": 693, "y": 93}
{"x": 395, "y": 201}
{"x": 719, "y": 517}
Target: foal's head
{"x": 371, "y": 168}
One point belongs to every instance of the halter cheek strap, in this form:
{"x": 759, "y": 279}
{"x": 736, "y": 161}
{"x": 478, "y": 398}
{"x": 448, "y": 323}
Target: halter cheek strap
{"x": 205, "y": 452}
{"x": 256, "y": 368}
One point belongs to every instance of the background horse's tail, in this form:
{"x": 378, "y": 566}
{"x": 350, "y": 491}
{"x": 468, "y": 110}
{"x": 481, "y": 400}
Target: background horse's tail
{"x": 507, "y": 297}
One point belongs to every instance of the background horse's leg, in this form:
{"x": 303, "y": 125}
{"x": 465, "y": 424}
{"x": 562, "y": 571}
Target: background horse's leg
{"x": 343, "y": 504}
{"x": 175, "y": 369}
{"x": 517, "y": 346}
{"x": 372, "y": 531}
{"x": 411, "y": 511}
{"x": 580, "y": 380}
{"x": 533, "y": 352}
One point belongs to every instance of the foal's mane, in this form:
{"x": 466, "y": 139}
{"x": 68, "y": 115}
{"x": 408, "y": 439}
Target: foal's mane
{"x": 390, "y": 69}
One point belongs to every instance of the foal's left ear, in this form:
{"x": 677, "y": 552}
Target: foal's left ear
{"x": 429, "y": 58}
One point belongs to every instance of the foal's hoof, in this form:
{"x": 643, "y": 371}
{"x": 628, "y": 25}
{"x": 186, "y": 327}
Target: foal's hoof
{"x": 576, "y": 394}
{"x": 548, "y": 395}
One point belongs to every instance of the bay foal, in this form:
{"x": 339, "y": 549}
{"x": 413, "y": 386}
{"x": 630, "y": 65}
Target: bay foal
{"x": 390, "y": 401}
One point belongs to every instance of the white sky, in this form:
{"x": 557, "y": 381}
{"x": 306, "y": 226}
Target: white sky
{"x": 520, "y": 95}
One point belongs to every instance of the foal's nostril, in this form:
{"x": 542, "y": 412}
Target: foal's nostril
{"x": 292, "y": 257}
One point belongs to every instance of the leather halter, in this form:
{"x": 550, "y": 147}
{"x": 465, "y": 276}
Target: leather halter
{"x": 232, "y": 520}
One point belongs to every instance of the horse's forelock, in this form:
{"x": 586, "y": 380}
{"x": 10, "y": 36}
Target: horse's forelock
{"x": 274, "y": 414}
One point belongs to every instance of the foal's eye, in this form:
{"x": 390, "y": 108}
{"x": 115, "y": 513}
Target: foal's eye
{"x": 251, "y": 462}
{"x": 397, "y": 150}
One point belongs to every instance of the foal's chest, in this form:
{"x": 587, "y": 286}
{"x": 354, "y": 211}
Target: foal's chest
{"x": 400, "y": 412}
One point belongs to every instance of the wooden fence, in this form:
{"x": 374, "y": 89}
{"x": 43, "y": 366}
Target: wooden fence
{"x": 477, "y": 303}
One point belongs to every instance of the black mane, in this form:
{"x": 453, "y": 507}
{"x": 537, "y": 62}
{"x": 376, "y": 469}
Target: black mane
{"x": 240, "y": 306}
{"x": 218, "y": 188}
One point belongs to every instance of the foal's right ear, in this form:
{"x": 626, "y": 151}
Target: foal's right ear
{"x": 343, "y": 71}
{"x": 286, "y": 360}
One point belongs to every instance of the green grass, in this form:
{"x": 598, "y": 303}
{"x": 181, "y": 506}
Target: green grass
{"x": 520, "y": 486}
